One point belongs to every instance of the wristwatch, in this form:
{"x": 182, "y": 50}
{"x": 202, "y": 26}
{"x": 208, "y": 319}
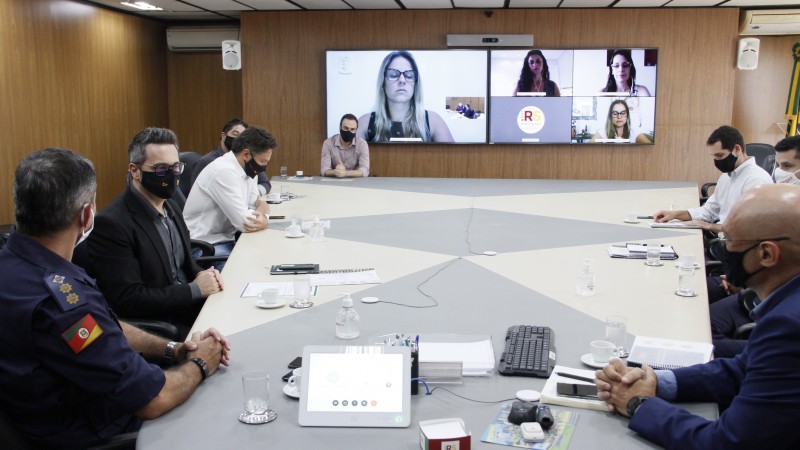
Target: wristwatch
{"x": 201, "y": 363}
{"x": 634, "y": 404}
{"x": 169, "y": 351}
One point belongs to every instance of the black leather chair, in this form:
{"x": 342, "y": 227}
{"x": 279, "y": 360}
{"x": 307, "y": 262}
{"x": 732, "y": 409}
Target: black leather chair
{"x": 190, "y": 159}
{"x": 748, "y": 301}
{"x": 764, "y": 154}
{"x": 207, "y": 257}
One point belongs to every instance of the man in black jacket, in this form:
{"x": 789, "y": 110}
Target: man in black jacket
{"x": 139, "y": 250}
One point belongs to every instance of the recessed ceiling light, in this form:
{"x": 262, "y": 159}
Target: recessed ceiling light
{"x": 142, "y": 5}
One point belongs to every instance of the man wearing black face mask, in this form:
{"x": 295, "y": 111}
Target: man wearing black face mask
{"x": 739, "y": 173}
{"x": 225, "y": 197}
{"x": 759, "y": 389}
{"x": 139, "y": 250}
{"x": 344, "y": 154}
{"x": 230, "y": 131}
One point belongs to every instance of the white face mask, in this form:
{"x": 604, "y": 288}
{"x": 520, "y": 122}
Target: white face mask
{"x": 782, "y": 176}
{"x": 85, "y": 234}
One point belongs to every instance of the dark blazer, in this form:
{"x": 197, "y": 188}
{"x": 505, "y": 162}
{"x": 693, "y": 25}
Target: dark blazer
{"x": 129, "y": 260}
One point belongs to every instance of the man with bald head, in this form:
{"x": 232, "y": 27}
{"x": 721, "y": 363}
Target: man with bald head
{"x": 758, "y": 391}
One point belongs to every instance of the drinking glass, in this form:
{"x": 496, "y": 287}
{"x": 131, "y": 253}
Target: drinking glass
{"x": 686, "y": 281}
{"x": 653, "y": 253}
{"x": 616, "y": 333}
{"x": 284, "y": 172}
{"x": 255, "y": 386}
{"x": 302, "y": 292}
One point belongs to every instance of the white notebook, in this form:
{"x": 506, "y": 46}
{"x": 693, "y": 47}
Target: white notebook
{"x": 550, "y": 391}
{"x": 660, "y": 353}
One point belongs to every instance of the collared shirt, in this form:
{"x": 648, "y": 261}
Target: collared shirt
{"x": 354, "y": 156}
{"x": 220, "y": 201}
{"x": 263, "y": 179}
{"x": 729, "y": 189}
{"x": 67, "y": 373}
{"x": 170, "y": 236}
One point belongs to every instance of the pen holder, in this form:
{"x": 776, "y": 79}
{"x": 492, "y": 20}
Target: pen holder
{"x": 414, "y": 371}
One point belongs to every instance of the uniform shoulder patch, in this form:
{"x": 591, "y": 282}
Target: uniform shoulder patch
{"x": 82, "y": 333}
{"x": 65, "y": 291}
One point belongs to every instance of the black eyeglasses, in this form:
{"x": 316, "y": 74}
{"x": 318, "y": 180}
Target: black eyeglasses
{"x": 394, "y": 75}
{"x": 782, "y": 238}
{"x": 619, "y": 113}
{"x": 162, "y": 169}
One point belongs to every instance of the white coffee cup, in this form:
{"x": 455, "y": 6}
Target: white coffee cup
{"x": 294, "y": 230}
{"x": 299, "y": 174}
{"x": 296, "y": 380}
{"x": 631, "y": 217}
{"x": 268, "y": 297}
{"x": 274, "y": 196}
{"x": 602, "y": 351}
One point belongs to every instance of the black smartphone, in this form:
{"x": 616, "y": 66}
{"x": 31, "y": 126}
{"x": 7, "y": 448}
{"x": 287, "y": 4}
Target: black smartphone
{"x": 297, "y": 362}
{"x": 291, "y": 267}
{"x": 288, "y": 375}
{"x": 277, "y": 217}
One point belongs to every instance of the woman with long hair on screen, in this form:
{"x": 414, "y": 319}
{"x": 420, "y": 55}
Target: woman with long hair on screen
{"x": 622, "y": 75}
{"x": 535, "y": 76}
{"x": 619, "y": 125}
{"x": 399, "y": 111}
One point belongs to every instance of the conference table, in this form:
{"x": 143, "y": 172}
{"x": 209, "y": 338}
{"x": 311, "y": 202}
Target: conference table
{"x": 426, "y": 239}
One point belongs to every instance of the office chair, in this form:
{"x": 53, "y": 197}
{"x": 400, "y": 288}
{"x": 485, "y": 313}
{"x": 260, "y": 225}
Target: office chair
{"x": 764, "y": 154}
{"x": 190, "y": 159}
{"x": 748, "y": 300}
{"x": 207, "y": 257}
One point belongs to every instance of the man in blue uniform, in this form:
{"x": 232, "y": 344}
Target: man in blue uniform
{"x": 759, "y": 389}
{"x": 70, "y": 373}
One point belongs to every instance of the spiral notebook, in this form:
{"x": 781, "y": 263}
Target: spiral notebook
{"x": 660, "y": 353}
{"x": 340, "y": 277}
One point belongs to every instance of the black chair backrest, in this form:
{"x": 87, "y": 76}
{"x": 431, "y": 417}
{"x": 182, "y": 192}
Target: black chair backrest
{"x": 764, "y": 154}
{"x": 190, "y": 159}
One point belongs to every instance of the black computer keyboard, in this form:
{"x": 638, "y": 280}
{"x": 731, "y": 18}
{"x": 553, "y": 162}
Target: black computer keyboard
{"x": 529, "y": 352}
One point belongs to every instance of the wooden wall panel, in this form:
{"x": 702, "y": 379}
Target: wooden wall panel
{"x": 202, "y": 98}
{"x": 79, "y": 77}
{"x": 284, "y": 86}
{"x": 760, "y": 100}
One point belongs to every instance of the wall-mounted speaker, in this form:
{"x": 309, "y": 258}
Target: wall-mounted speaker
{"x": 747, "y": 56}
{"x": 231, "y": 55}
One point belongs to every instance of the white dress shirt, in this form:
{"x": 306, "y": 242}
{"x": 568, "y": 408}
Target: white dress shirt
{"x": 220, "y": 201}
{"x": 729, "y": 189}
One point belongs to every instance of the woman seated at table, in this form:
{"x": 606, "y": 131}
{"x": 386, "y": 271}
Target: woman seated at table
{"x": 399, "y": 111}
{"x": 535, "y": 76}
{"x": 622, "y": 75}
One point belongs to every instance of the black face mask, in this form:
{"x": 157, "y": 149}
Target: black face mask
{"x": 347, "y": 136}
{"x": 726, "y": 164}
{"x": 733, "y": 264}
{"x": 162, "y": 186}
{"x": 252, "y": 168}
{"x": 229, "y": 142}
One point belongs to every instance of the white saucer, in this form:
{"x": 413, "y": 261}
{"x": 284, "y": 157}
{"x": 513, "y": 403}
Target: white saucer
{"x": 586, "y": 358}
{"x": 299, "y": 235}
{"x": 280, "y": 303}
{"x": 630, "y": 221}
{"x": 290, "y": 391}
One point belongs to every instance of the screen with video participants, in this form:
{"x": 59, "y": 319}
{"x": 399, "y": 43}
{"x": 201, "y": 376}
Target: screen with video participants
{"x": 578, "y": 96}
{"x": 409, "y": 96}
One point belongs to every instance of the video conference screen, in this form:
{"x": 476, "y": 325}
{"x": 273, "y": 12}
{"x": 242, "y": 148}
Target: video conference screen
{"x": 409, "y": 96}
{"x": 539, "y": 96}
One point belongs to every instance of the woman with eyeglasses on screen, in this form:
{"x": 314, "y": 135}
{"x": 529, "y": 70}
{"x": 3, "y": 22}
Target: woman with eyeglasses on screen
{"x": 618, "y": 125}
{"x": 399, "y": 111}
{"x": 535, "y": 76}
{"x": 622, "y": 75}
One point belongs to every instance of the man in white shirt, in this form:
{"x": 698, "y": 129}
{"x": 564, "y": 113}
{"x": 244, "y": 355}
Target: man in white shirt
{"x": 739, "y": 173}
{"x": 224, "y": 198}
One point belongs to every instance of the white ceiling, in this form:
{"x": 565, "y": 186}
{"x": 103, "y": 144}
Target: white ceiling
{"x": 215, "y": 10}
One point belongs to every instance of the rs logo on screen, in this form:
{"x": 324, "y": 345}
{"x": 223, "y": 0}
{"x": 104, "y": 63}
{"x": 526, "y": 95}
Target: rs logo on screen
{"x": 530, "y": 119}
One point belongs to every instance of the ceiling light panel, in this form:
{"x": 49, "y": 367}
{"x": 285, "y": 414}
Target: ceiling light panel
{"x": 374, "y": 4}
{"x": 479, "y": 3}
{"x": 427, "y": 4}
{"x": 322, "y": 4}
{"x": 586, "y": 3}
{"x": 533, "y": 3}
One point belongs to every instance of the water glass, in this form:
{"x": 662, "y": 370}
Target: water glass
{"x": 302, "y": 291}
{"x": 686, "y": 281}
{"x": 616, "y": 333}
{"x": 284, "y": 172}
{"x": 256, "y": 392}
{"x": 653, "y": 254}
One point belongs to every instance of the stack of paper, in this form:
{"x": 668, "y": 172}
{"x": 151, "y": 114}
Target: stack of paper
{"x": 550, "y": 394}
{"x": 475, "y": 352}
{"x": 639, "y": 251}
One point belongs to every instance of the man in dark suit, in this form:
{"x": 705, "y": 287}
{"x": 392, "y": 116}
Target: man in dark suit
{"x": 139, "y": 250}
{"x": 759, "y": 389}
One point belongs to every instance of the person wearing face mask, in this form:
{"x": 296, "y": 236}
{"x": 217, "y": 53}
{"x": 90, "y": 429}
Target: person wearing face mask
{"x": 230, "y": 131}
{"x": 739, "y": 174}
{"x": 758, "y": 390}
{"x": 344, "y": 154}
{"x": 71, "y": 374}
{"x": 787, "y": 161}
{"x": 225, "y": 198}
{"x": 140, "y": 250}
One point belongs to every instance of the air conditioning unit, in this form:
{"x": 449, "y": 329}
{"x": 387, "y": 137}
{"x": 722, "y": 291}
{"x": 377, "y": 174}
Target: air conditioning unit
{"x": 199, "y": 39}
{"x": 769, "y": 21}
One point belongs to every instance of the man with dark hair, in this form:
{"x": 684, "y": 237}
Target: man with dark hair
{"x": 787, "y": 160}
{"x": 230, "y": 131}
{"x": 140, "y": 250}
{"x": 344, "y": 154}
{"x": 739, "y": 173}
{"x": 758, "y": 390}
{"x": 225, "y": 198}
{"x": 70, "y": 373}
